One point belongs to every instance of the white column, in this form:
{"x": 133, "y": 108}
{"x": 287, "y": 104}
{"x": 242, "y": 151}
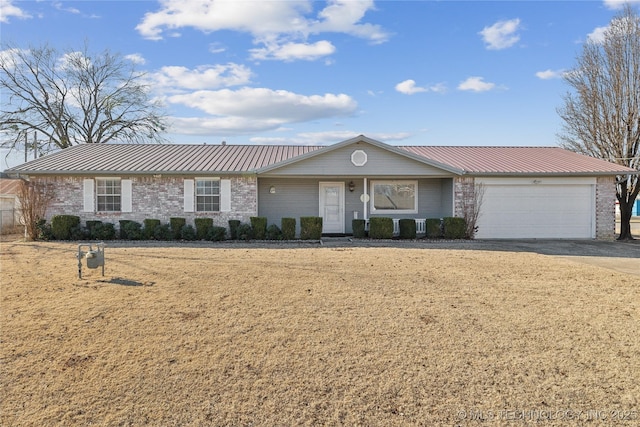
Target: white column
{"x": 364, "y": 202}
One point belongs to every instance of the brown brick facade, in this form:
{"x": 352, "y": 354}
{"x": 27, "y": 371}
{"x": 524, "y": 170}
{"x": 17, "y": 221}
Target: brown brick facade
{"x": 605, "y": 208}
{"x": 154, "y": 198}
{"x": 463, "y": 189}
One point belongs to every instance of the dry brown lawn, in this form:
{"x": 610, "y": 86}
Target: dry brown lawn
{"x": 315, "y": 336}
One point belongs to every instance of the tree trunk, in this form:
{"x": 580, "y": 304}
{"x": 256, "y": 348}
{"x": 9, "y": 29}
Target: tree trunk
{"x": 625, "y": 219}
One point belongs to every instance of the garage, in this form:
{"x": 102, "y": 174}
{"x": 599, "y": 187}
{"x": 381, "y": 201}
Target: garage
{"x": 537, "y": 208}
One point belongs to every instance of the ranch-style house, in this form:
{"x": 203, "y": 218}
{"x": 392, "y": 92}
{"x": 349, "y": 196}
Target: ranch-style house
{"x": 529, "y": 192}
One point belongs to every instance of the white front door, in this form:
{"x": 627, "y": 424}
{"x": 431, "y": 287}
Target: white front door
{"x": 332, "y": 207}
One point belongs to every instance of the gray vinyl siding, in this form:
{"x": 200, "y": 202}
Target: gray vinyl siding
{"x": 380, "y": 162}
{"x": 292, "y": 199}
{"x": 299, "y": 197}
{"x": 446, "y": 194}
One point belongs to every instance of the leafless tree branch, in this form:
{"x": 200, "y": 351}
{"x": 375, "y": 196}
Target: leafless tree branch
{"x": 602, "y": 114}
{"x": 73, "y": 98}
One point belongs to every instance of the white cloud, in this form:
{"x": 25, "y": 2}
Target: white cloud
{"x": 58, "y": 5}
{"x": 476, "y": 84}
{"x": 248, "y": 110}
{"x": 550, "y": 74}
{"x": 343, "y": 16}
{"x": 501, "y": 35}
{"x": 617, "y": 24}
{"x": 10, "y": 57}
{"x": 202, "y": 77}
{"x": 328, "y": 137}
{"x": 258, "y": 18}
{"x": 408, "y": 87}
{"x": 219, "y": 125}
{"x": 618, "y": 4}
{"x": 282, "y": 26}
{"x": 216, "y": 47}
{"x": 267, "y": 104}
{"x": 8, "y": 9}
{"x": 597, "y": 35}
{"x": 293, "y": 51}
{"x": 136, "y": 58}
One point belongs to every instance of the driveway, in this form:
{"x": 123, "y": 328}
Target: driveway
{"x": 619, "y": 256}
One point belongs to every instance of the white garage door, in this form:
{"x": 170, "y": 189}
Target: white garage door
{"x": 537, "y": 208}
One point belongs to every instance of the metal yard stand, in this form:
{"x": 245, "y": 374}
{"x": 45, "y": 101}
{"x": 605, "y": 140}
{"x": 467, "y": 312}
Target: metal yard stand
{"x": 94, "y": 257}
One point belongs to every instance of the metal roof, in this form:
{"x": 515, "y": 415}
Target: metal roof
{"x": 517, "y": 160}
{"x": 141, "y": 159}
{"x": 161, "y": 158}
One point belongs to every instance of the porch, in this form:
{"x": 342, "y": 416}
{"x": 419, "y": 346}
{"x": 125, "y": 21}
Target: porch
{"x": 421, "y": 226}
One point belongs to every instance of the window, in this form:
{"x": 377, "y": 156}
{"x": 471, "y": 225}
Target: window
{"x": 207, "y": 195}
{"x": 108, "y": 195}
{"x": 394, "y": 197}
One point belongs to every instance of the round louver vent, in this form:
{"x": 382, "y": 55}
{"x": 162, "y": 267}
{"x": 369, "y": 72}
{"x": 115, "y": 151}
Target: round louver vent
{"x": 359, "y": 158}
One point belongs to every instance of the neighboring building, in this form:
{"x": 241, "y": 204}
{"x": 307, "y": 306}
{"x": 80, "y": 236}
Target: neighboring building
{"x": 10, "y": 213}
{"x": 635, "y": 211}
{"x": 530, "y": 192}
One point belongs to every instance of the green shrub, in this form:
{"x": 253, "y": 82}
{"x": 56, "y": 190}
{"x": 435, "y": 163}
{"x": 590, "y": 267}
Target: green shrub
{"x": 358, "y": 226}
{"x": 163, "y": 232}
{"x": 44, "y": 230}
{"x": 123, "y": 233}
{"x": 61, "y": 226}
{"x": 310, "y": 227}
{"x": 380, "y": 228}
{"x": 79, "y": 233}
{"x": 454, "y": 228}
{"x": 288, "y": 227}
{"x": 203, "y": 225}
{"x": 407, "y": 228}
{"x": 233, "y": 228}
{"x": 217, "y": 234}
{"x": 434, "y": 228}
{"x": 274, "y": 232}
{"x": 188, "y": 232}
{"x": 259, "y": 225}
{"x": 149, "y": 229}
{"x": 104, "y": 231}
{"x": 244, "y": 232}
{"x": 132, "y": 231}
{"x": 90, "y": 226}
{"x": 176, "y": 227}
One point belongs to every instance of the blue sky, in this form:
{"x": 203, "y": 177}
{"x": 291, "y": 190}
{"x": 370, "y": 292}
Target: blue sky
{"x": 316, "y": 73}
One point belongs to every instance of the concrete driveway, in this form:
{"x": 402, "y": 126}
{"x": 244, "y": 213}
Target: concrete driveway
{"x": 619, "y": 256}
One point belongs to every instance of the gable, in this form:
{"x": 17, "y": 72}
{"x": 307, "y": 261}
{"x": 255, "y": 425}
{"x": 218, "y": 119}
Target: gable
{"x": 357, "y": 158}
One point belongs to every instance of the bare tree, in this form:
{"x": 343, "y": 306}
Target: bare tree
{"x": 72, "y": 98}
{"x": 602, "y": 116}
{"x": 34, "y": 197}
{"x": 471, "y": 206}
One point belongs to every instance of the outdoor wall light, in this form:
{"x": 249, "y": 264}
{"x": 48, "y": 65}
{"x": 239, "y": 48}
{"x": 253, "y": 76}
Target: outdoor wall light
{"x": 352, "y": 186}
{"x": 272, "y": 189}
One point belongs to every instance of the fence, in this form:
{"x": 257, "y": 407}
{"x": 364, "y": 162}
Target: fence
{"x": 9, "y": 219}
